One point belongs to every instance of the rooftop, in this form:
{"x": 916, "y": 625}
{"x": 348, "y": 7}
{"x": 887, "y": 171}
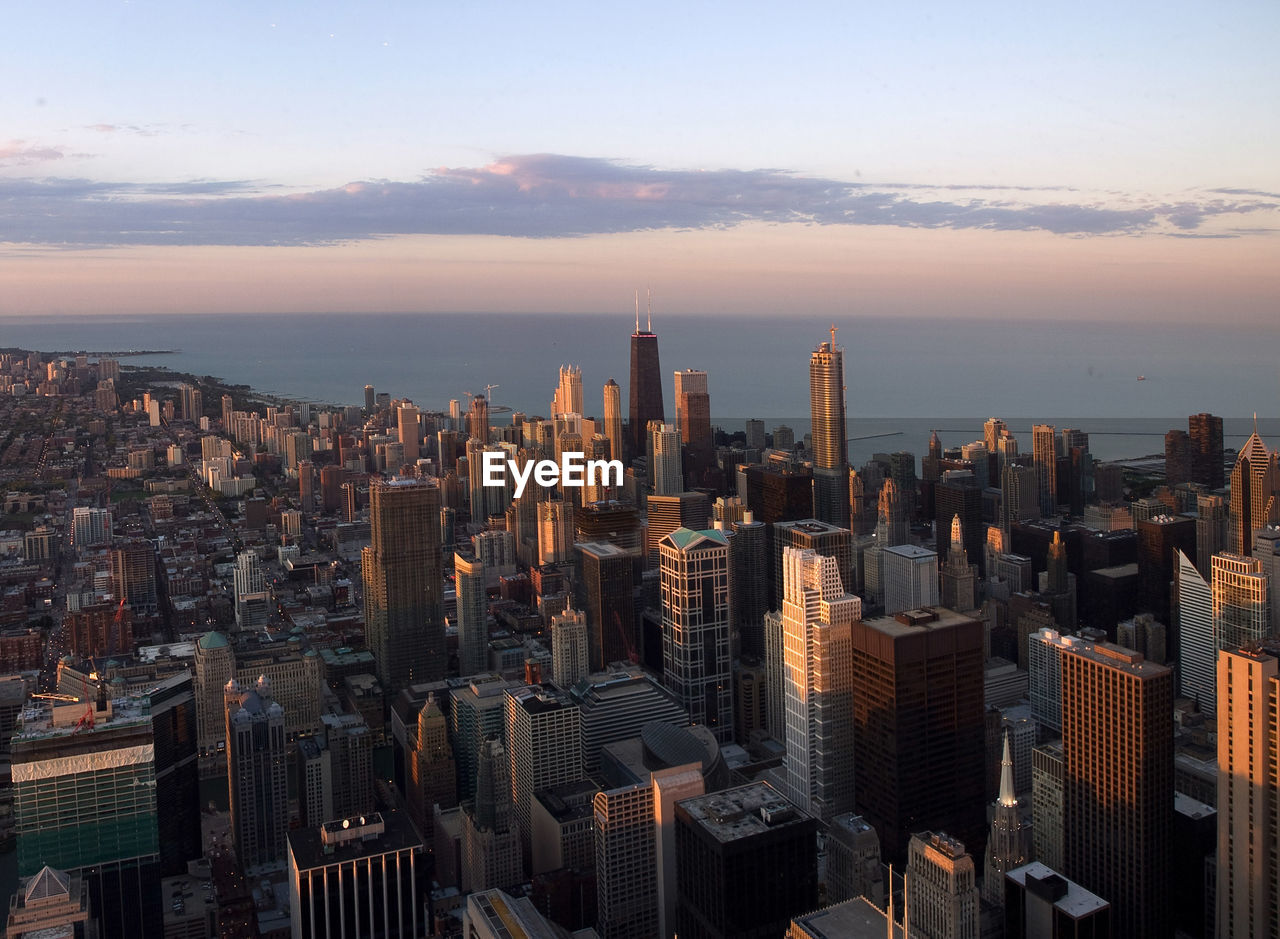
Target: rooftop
{"x": 1071, "y": 898}
{"x": 753, "y": 809}
{"x": 381, "y": 833}
{"x": 858, "y": 918}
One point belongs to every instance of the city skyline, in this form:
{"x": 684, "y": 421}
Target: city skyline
{"x": 879, "y": 164}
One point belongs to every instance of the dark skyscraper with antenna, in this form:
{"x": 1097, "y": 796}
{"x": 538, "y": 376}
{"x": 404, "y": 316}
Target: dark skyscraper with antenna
{"x": 646, "y": 383}
{"x": 830, "y": 445}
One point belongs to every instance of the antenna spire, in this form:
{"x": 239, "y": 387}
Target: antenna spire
{"x": 834, "y": 327}
{"x": 648, "y": 302}
{"x": 637, "y": 309}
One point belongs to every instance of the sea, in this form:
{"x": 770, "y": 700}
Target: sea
{"x": 1123, "y": 383}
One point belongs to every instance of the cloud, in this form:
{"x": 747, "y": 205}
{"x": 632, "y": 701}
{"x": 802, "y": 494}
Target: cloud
{"x": 18, "y": 153}
{"x": 556, "y": 196}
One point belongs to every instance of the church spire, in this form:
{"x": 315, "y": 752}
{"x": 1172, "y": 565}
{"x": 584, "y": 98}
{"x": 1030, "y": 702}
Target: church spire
{"x": 1007, "y": 795}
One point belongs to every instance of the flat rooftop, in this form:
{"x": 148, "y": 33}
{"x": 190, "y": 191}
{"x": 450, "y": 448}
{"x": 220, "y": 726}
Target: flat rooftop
{"x": 1075, "y": 900}
{"x": 309, "y": 850}
{"x": 750, "y": 810}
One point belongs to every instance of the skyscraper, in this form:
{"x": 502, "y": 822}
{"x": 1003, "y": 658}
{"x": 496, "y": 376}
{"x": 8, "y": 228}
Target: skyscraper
{"x": 666, "y": 473}
{"x": 1044, "y": 453}
{"x": 85, "y": 800}
{"x": 1009, "y": 844}
{"x": 941, "y": 887}
{"x": 410, "y": 434}
{"x": 568, "y": 397}
{"x": 491, "y": 843}
{"x": 613, "y": 420}
{"x": 816, "y": 617}
{"x": 910, "y": 578}
{"x": 473, "y": 614}
{"x": 693, "y": 406}
{"x": 403, "y": 582}
{"x": 544, "y": 742}
{"x": 903, "y": 749}
{"x": 626, "y": 885}
{"x": 609, "y": 603}
{"x": 749, "y": 572}
{"x": 646, "y": 384}
{"x": 1207, "y": 468}
{"x": 257, "y": 774}
{"x": 830, "y": 446}
{"x": 1241, "y": 601}
{"x": 1254, "y": 480}
{"x": 746, "y": 862}
{"x": 959, "y": 578}
{"x": 696, "y": 656}
{"x": 1197, "y": 651}
{"x": 1248, "y": 800}
{"x": 570, "y": 659}
{"x": 1118, "y": 782}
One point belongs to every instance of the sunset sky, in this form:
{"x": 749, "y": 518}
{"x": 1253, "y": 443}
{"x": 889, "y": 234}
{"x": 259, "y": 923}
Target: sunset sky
{"x": 1008, "y": 160}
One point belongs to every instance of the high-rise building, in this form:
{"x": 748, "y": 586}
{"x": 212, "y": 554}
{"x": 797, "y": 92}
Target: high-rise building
{"x": 1046, "y": 803}
{"x": 746, "y": 863}
{"x": 1241, "y": 601}
{"x": 613, "y": 420}
{"x": 544, "y": 742}
{"x": 570, "y": 659}
{"x": 409, "y": 430}
{"x": 1040, "y": 902}
{"x": 403, "y": 582}
{"x": 251, "y": 595}
{"x": 607, "y": 599}
{"x": 1207, "y": 467}
{"x": 693, "y": 407}
{"x": 910, "y": 578}
{"x": 1009, "y": 844}
{"x": 1019, "y": 495}
{"x": 473, "y": 614}
{"x": 1177, "y": 457}
{"x": 646, "y": 384}
{"x": 568, "y": 396}
{"x": 257, "y": 775}
{"x": 90, "y": 526}
{"x": 941, "y": 888}
{"x": 1158, "y": 540}
{"x": 853, "y": 860}
{"x": 369, "y": 399}
{"x": 51, "y": 903}
{"x": 555, "y": 531}
{"x": 477, "y": 712}
{"x": 85, "y": 801}
{"x": 830, "y": 445}
{"x": 667, "y": 513}
{"x": 667, "y": 470}
{"x": 173, "y": 724}
{"x": 1197, "y": 650}
{"x": 491, "y": 842}
{"x": 1248, "y": 888}
{"x": 749, "y": 582}
{"x": 626, "y": 882}
{"x": 901, "y": 749}
{"x": 817, "y": 615}
{"x": 1254, "y": 481}
{"x": 358, "y": 876}
{"x": 959, "y": 578}
{"x": 1118, "y": 782}
{"x": 133, "y": 575}
{"x": 696, "y": 655}
{"x": 958, "y": 494}
{"x": 478, "y": 420}
{"x": 1044, "y": 453}
{"x": 431, "y": 768}
{"x": 820, "y": 537}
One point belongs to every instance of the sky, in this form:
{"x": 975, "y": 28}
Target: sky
{"x": 983, "y": 159}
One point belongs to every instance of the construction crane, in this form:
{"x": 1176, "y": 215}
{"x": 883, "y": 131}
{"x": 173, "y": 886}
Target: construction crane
{"x": 68, "y": 698}
{"x": 86, "y": 719}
